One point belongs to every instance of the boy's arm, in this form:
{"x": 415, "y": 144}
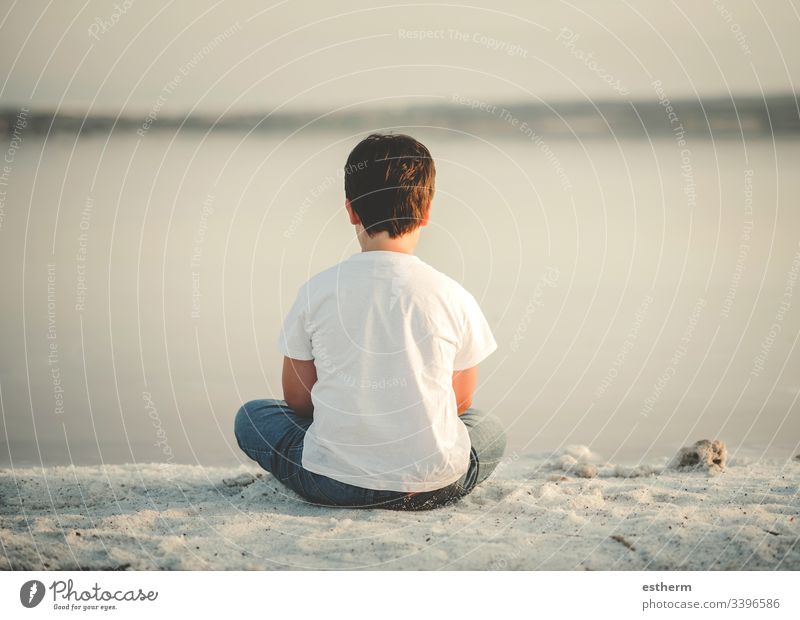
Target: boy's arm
{"x": 464, "y": 383}
{"x": 299, "y": 376}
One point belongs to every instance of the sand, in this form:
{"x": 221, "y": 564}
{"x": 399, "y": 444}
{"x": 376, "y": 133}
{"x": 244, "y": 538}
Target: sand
{"x": 565, "y": 511}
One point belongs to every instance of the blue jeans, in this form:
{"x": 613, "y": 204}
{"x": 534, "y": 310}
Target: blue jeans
{"x": 272, "y": 435}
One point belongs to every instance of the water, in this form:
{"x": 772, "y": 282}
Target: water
{"x": 641, "y": 299}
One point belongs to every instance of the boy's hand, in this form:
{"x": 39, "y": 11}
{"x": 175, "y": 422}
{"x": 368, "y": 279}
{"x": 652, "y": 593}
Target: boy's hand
{"x": 299, "y": 376}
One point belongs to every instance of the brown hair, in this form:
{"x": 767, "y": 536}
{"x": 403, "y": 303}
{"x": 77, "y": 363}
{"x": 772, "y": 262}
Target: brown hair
{"x": 389, "y": 180}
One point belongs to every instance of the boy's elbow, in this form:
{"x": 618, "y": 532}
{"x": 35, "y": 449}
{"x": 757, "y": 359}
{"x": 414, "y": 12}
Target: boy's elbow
{"x": 464, "y": 405}
{"x": 300, "y": 405}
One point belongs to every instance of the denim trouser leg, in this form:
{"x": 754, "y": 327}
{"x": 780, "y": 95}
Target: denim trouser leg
{"x": 272, "y": 435}
{"x": 488, "y": 440}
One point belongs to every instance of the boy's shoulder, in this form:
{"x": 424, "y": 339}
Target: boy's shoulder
{"x": 444, "y": 283}
{"x": 412, "y": 270}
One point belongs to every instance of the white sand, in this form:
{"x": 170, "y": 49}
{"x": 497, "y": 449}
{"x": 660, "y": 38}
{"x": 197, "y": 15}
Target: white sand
{"x": 532, "y": 514}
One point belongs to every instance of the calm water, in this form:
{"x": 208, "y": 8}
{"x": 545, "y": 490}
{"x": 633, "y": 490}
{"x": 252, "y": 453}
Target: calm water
{"x": 641, "y": 300}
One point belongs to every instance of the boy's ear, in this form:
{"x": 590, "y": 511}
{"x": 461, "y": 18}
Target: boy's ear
{"x": 354, "y": 219}
{"x": 424, "y": 221}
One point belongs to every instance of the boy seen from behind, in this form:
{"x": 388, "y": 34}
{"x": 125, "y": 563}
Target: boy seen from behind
{"x": 381, "y": 356}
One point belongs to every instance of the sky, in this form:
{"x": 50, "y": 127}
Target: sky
{"x": 134, "y": 56}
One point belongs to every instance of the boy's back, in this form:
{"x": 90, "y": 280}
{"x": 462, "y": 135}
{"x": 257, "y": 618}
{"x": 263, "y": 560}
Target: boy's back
{"x": 386, "y": 331}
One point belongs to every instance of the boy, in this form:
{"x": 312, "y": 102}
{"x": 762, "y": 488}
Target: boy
{"x": 381, "y": 356}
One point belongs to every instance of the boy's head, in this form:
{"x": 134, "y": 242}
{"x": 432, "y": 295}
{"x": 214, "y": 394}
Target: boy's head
{"x": 389, "y": 183}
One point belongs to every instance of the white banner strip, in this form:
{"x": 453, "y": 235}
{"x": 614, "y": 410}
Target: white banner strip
{"x": 388, "y": 595}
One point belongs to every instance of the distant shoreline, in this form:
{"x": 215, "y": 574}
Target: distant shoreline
{"x": 748, "y": 117}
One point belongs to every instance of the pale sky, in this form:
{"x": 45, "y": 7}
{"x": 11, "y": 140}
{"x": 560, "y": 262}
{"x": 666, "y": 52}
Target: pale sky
{"x": 323, "y": 55}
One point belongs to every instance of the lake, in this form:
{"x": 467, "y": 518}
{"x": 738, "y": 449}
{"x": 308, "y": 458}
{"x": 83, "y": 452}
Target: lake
{"x": 644, "y": 294}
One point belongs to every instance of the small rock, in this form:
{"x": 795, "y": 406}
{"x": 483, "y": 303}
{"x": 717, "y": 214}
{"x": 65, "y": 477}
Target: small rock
{"x": 704, "y": 454}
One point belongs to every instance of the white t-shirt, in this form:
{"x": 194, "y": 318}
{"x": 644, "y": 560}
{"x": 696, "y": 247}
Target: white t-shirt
{"x": 386, "y": 331}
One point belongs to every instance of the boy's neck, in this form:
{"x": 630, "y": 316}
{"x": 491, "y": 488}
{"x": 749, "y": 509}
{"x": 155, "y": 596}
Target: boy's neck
{"x": 383, "y": 242}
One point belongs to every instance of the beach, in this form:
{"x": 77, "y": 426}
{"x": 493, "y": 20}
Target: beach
{"x": 536, "y": 512}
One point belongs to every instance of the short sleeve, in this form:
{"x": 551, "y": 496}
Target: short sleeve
{"x": 477, "y": 340}
{"x": 294, "y": 340}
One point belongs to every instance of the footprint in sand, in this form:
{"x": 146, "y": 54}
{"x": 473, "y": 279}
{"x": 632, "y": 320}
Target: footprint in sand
{"x": 242, "y": 480}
